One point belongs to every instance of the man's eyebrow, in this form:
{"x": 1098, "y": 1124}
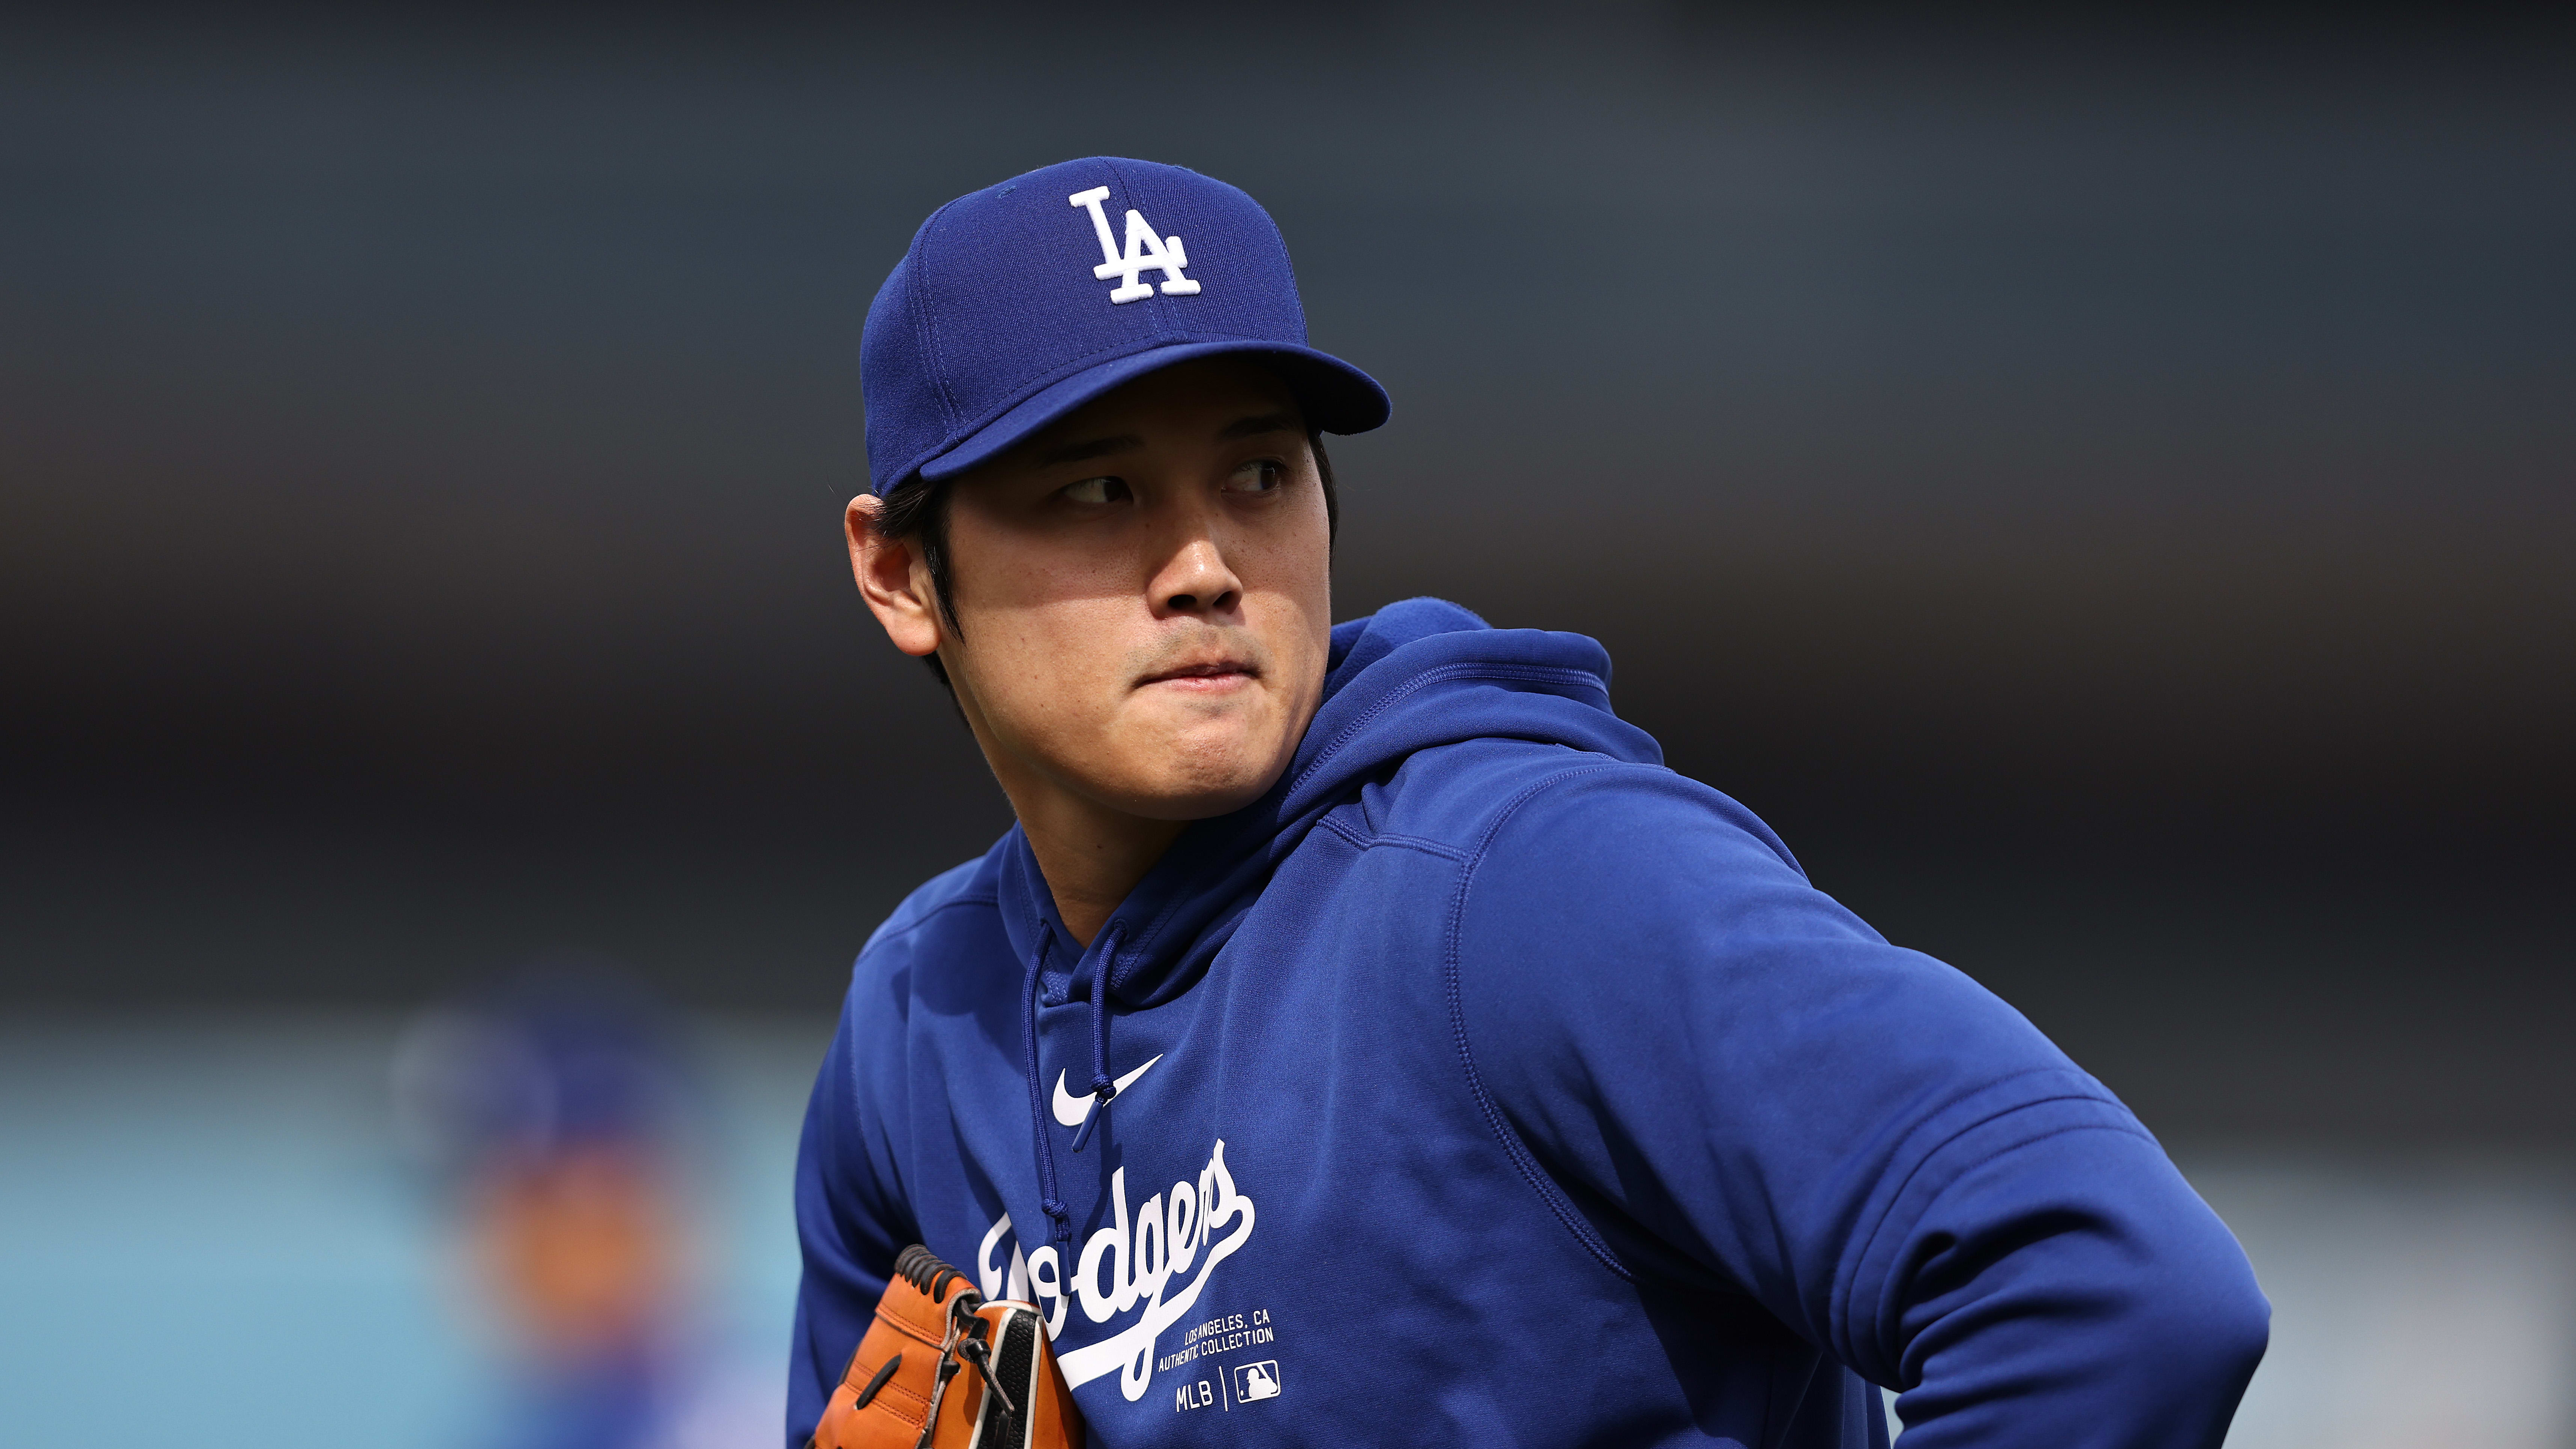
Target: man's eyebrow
{"x": 1086, "y": 449}
{"x": 1253, "y": 427}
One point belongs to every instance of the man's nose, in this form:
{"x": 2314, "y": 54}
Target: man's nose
{"x": 1197, "y": 580}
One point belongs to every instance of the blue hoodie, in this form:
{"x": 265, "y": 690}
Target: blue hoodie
{"x": 1489, "y": 1083}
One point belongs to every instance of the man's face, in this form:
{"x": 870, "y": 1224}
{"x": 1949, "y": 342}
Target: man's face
{"x": 1143, "y": 595}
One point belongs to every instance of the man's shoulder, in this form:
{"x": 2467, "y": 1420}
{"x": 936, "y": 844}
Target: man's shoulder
{"x": 960, "y": 898}
{"x": 1479, "y": 795}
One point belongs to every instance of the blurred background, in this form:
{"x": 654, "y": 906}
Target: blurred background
{"x": 2101, "y": 488}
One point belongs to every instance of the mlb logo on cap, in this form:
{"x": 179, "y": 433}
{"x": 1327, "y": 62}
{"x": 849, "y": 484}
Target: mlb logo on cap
{"x": 1019, "y": 303}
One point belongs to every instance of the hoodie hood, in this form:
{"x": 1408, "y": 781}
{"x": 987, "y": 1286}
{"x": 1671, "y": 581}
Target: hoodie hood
{"x": 1414, "y": 676}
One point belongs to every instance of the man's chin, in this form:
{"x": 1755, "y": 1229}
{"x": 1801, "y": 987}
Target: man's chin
{"x": 1196, "y": 782}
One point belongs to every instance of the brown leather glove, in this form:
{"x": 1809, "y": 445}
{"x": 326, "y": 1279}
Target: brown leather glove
{"x": 943, "y": 1369}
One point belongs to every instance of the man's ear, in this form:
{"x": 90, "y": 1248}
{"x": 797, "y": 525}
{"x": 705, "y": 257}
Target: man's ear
{"x": 892, "y": 578}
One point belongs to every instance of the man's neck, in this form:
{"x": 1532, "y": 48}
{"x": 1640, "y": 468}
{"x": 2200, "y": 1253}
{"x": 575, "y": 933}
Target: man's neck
{"x": 1091, "y": 856}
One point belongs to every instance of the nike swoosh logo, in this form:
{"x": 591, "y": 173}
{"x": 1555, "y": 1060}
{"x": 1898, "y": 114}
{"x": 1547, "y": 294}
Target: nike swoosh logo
{"x": 1070, "y": 1109}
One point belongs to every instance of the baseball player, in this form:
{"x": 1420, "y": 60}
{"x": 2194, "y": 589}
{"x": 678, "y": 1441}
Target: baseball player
{"x": 1362, "y": 1037}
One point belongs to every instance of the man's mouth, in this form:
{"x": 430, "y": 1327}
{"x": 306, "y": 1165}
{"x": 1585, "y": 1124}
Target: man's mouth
{"x": 1203, "y": 674}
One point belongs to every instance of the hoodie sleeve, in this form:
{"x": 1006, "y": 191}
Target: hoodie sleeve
{"x": 1738, "y": 1080}
{"x": 850, "y": 1223}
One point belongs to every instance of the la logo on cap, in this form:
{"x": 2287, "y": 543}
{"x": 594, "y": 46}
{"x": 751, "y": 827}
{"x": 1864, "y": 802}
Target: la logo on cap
{"x": 1145, "y": 252}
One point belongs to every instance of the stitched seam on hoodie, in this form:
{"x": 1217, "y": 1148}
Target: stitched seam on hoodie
{"x": 1878, "y": 1231}
{"x": 954, "y": 903}
{"x": 928, "y": 916}
{"x": 1439, "y": 675}
{"x": 1513, "y": 1147}
{"x": 1361, "y": 840}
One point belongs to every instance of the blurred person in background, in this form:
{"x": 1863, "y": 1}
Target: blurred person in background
{"x": 554, "y": 1112}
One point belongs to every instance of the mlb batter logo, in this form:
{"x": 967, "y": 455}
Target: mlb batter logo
{"x": 1256, "y": 1381}
{"x": 1146, "y": 252}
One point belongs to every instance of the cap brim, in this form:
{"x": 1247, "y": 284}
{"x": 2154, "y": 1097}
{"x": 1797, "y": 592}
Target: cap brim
{"x": 1334, "y": 395}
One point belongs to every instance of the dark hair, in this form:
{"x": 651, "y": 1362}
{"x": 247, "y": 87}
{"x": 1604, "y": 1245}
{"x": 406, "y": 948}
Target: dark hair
{"x": 918, "y": 510}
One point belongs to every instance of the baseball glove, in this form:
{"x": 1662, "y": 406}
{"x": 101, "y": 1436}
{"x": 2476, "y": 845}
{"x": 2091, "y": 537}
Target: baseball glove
{"x": 941, "y": 1368}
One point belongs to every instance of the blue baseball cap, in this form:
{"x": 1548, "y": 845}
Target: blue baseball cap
{"x": 1018, "y": 303}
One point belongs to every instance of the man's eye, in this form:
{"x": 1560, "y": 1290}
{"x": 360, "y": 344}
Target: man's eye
{"x": 1261, "y": 475}
{"x": 1096, "y": 490}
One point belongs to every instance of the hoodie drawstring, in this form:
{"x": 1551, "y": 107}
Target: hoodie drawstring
{"x": 1059, "y": 1218}
{"x": 1104, "y": 1088}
